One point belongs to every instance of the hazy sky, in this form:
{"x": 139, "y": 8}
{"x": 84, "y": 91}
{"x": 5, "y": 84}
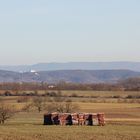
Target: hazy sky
{"x": 33, "y": 31}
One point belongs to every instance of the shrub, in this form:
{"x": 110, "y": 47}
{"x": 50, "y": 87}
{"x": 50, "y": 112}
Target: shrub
{"x": 7, "y": 93}
{"x": 116, "y": 96}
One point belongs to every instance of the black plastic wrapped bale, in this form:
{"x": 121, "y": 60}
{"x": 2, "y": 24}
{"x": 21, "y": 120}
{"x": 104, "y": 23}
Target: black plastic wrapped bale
{"x": 55, "y": 118}
{"x": 69, "y": 120}
{"x": 48, "y": 119}
{"x": 88, "y": 119}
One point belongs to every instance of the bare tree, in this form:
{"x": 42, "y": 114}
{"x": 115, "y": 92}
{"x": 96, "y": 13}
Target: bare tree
{"x": 22, "y": 99}
{"x": 55, "y": 107}
{"x": 39, "y": 103}
{"x": 70, "y": 107}
{"x": 6, "y": 112}
{"x": 62, "y": 107}
{"x": 27, "y": 107}
{"x": 51, "y": 107}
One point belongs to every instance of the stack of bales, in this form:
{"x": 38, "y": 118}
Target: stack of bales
{"x": 65, "y": 119}
{"x": 51, "y": 119}
{"x": 88, "y": 119}
{"x": 48, "y": 119}
{"x": 101, "y": 119}
{"x": 55, "y": 118}
{"x": 74, "y": 119}
{"x": 95, "y": 119}
{"x": 81, "y": 119}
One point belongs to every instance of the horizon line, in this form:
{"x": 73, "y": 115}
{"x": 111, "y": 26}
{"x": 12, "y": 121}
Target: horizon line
{"x": 54, "y": 62}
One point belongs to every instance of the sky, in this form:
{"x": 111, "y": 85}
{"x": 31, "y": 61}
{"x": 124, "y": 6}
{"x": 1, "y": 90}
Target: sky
{"x": 34, "y": 31}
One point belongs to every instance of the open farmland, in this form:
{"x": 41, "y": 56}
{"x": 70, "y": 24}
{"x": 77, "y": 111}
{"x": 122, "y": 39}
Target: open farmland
{"x": 39, "y": 132}
{"x": 123, "y": 120}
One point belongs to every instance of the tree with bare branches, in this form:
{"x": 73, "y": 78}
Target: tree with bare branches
{"x": 39, "y": 103}
{"x": 67, "y": 106}
{"x": 6, "y": 112}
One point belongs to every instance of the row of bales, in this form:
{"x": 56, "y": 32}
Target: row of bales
{"x": 89, "y": 119}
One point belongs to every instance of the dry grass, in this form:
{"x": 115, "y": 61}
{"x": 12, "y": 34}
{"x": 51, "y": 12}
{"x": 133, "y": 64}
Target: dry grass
{"x": 40, "y": 132}
{"x": 123, "y": 122}
{"x": 120, "y": 126}
{"x": 101, "y": 93}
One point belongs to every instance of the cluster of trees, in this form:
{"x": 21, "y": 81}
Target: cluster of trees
{"x": 23, "y": 86}
{"x": 127, "y": 84}
{"x": 37, "y": 103}
{"x": 26, "y": 94}
{"x": 58, "y": 104}
{"x": 131, "y": 84}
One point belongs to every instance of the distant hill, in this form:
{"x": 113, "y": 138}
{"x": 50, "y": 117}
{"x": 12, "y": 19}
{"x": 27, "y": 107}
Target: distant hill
{"x": 134, "y": 66}
{"x": 76, "y": 76}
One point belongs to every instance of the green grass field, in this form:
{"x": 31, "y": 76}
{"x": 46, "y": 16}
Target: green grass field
{"x": 122, "y": 122}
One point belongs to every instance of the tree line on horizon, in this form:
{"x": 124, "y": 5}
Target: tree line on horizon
{"x": 131, "y": 84}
